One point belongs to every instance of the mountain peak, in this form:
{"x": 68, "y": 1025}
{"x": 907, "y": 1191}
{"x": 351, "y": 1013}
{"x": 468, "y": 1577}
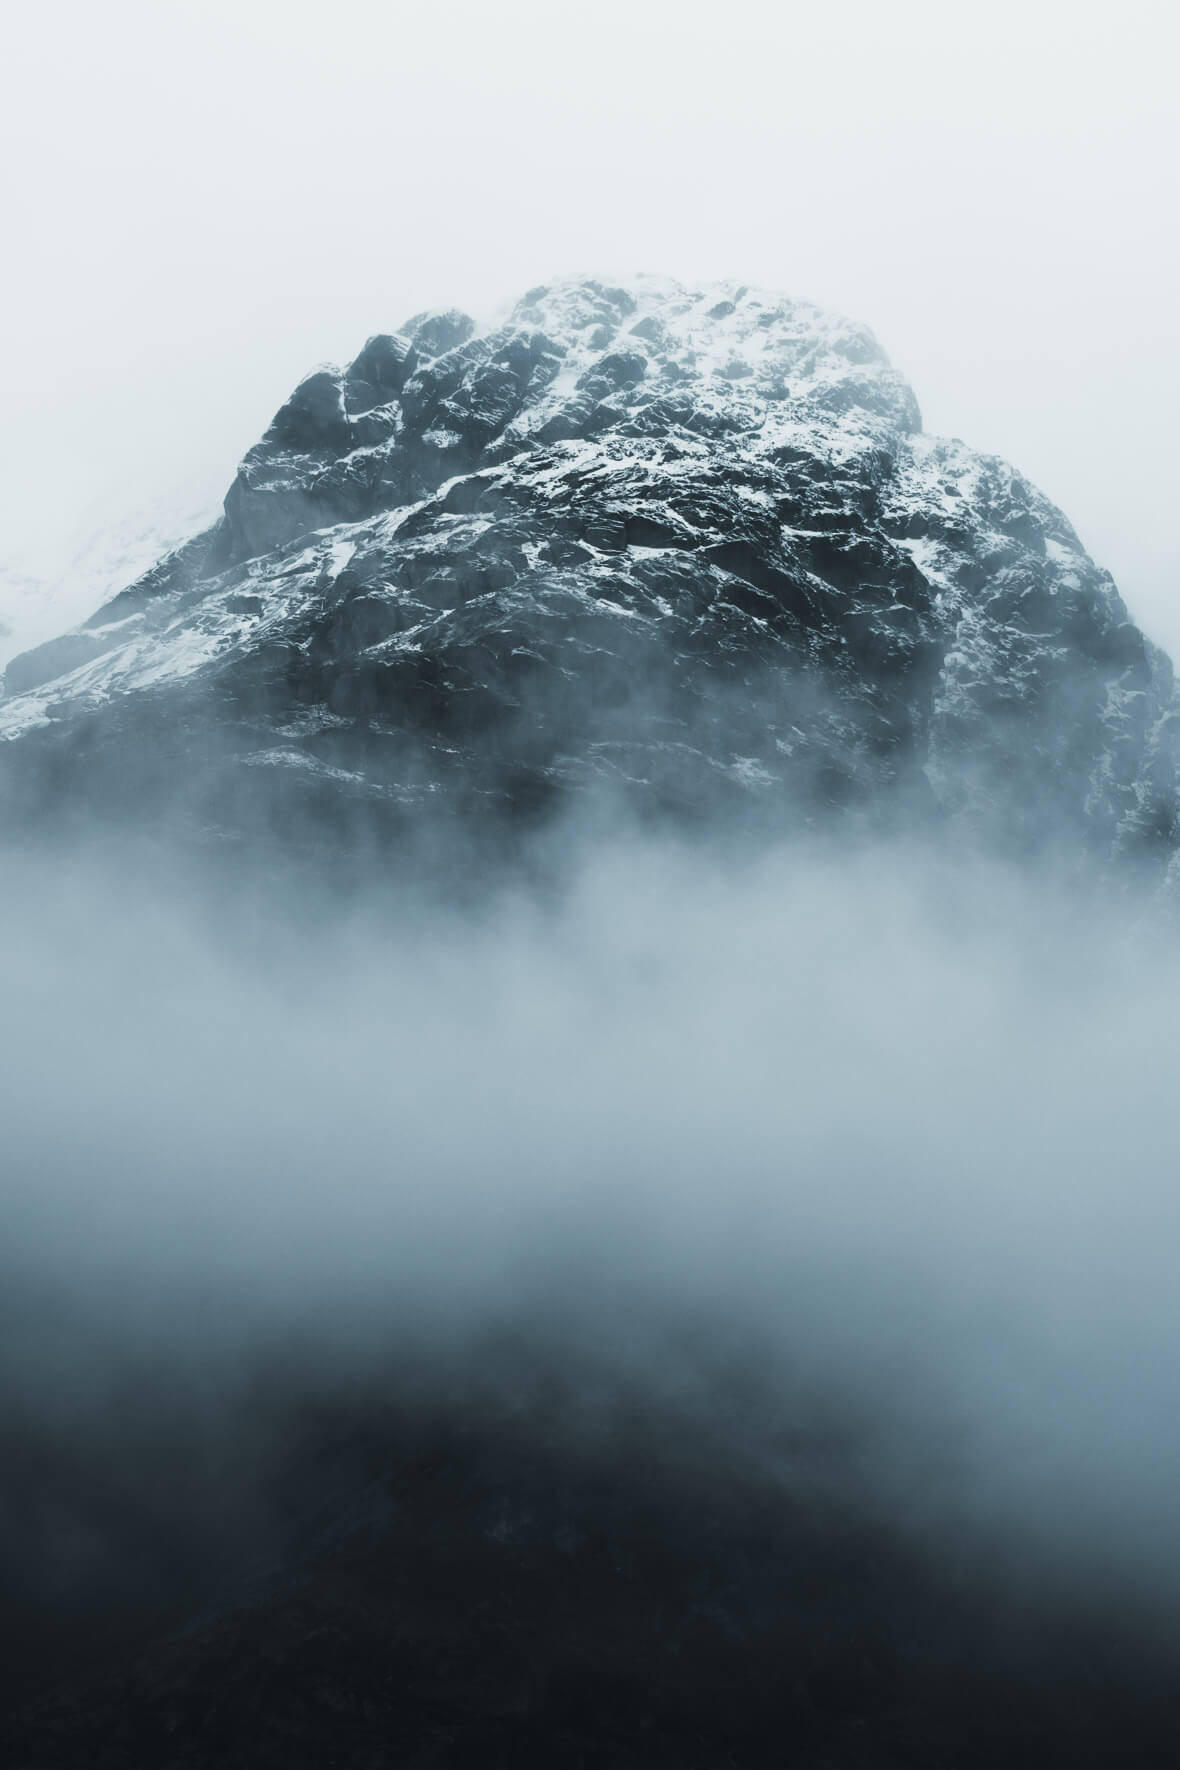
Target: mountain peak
{"x": 686, "y": 545}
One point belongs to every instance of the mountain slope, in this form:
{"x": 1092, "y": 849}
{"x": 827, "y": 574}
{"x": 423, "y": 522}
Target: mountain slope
{"x": 685, "y": 547}
{"x": 91, "y": 561}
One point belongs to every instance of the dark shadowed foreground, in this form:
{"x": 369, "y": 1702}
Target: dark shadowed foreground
{"x": 469, "y": 1587}
{"x": 717, "y": 1309}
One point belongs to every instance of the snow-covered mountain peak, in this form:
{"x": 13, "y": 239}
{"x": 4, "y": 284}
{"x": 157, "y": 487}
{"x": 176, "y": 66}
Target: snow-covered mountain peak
{"x": 687, "y": 545}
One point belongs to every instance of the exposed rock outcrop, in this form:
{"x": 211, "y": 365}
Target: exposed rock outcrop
{"x": 690, "y": 547}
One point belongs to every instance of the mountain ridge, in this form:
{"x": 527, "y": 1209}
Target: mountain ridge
{"x": 688, "y": 548}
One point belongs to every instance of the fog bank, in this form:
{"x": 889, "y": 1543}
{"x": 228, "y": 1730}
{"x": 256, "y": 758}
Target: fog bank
{"x": 896, "y": 1135}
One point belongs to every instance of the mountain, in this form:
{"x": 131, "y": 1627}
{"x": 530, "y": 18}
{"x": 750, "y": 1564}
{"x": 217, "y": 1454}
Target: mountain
{"x": 88, "y": 562}
{"x": 645, "y": 553}
{"x": 684, "y": 549}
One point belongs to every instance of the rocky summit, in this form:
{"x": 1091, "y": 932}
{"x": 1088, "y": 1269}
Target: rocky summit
{"x": 685, "y": 548}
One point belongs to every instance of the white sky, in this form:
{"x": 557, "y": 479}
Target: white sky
{"x": 203, "y": 199}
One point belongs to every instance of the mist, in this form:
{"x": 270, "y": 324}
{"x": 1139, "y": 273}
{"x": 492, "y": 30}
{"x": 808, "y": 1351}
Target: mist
{"x": 762, "y": 1141}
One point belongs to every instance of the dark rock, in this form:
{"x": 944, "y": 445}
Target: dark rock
{"x": 57, "y": 657}
{"x": 645, "y": 531}
{"x": 313, "y": 417}
{"x": 614, "y": 372}
{"x": 436, "y": 332}
{"x": 379, "y": 372}
{"x": 545, "y": 558}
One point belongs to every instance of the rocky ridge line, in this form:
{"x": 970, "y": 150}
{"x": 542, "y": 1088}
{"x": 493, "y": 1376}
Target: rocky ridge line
{"x": 687, "y": 547}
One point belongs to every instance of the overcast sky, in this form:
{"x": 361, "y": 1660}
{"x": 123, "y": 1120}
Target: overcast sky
{"x": 204, "y": 198}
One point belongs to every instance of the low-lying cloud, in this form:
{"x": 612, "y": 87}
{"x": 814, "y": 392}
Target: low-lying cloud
{"x": 899, "y": 1133}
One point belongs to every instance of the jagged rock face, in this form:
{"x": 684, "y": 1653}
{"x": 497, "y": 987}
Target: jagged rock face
{"x": 689, "y": 547}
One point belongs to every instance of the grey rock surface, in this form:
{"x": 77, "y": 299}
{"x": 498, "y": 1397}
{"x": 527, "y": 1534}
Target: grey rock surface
{"x": 686, "y": 548}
